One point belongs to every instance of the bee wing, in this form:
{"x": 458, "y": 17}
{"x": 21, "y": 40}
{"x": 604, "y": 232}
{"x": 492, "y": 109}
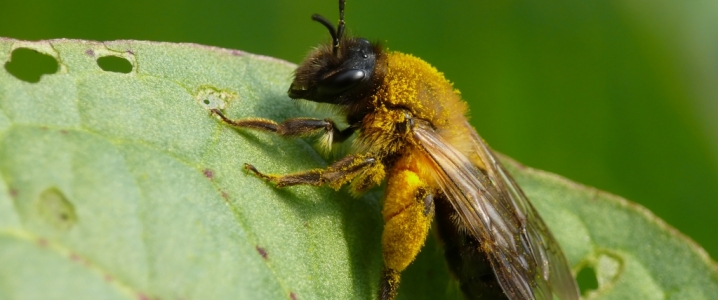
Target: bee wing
{"x": 525, "y": 257}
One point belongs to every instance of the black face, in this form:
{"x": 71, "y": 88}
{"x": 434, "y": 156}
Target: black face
{"x": 337, "y": 76}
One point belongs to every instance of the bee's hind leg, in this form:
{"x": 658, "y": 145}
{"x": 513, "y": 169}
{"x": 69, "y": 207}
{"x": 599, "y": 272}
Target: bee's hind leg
{"x": 408, "y": 211}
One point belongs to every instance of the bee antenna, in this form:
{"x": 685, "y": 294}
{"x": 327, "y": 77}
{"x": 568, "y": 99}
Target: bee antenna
{"x": 335, "y": 33}
{"x": 340, "y": 26}
{"x": 332, "y": 31}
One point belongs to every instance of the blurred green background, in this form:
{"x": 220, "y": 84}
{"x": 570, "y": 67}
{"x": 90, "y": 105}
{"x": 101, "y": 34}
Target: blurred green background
{"x": 621, "y": 95}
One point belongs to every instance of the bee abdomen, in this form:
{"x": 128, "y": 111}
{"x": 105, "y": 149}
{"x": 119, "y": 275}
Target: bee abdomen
{"x": 463, "y": 254}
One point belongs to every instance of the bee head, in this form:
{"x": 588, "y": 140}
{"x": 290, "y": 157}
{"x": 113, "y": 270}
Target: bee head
{"x": 338, "y": 73}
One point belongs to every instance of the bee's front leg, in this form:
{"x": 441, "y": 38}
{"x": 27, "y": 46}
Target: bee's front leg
{"x": 293, "y": 127}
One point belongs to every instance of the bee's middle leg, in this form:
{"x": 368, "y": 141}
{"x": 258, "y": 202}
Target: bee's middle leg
{"x": 335, "y": 175}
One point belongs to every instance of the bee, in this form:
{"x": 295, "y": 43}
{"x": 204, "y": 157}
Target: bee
{"x": 411, "y": 130}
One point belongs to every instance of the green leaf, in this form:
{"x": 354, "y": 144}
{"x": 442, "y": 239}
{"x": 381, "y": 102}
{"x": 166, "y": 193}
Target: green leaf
{"x": 121, "y": 185}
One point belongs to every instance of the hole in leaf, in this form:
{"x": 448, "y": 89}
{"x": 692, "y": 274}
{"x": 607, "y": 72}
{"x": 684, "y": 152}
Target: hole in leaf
{"x": 114, "y": 64}
{"x": 29, "y": 65}
{"x": 210, "y": 97}
{"x": 56, "y": 209}
{"x": 587, "y": 280}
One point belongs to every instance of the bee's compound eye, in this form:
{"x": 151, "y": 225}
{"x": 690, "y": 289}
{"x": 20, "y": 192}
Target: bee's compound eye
{"x": 341, "y": 81}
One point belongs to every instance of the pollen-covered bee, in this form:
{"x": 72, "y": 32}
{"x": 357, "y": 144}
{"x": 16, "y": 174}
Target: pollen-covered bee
{"x": 411, "y": 130}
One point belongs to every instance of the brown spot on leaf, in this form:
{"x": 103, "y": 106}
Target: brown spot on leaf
{"x": 90, "y": 52}
{"x": 76, "y": 258}
{"x": 42, "y": 242}
{"x": 292, "y": 296}
{"x": 261, "y": 252}
{"x": 208, "y": 173}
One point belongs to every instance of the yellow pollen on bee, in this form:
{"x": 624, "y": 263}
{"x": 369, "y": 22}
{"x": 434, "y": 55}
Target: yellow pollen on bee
{"x": 406, "y": 215}
{"x": 415, "y": 85}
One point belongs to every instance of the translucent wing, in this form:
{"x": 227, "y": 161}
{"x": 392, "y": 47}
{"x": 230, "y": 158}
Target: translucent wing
{"x": 525, "y": 257}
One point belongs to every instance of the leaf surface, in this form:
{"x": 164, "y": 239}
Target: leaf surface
{"x": 122, "y": 186}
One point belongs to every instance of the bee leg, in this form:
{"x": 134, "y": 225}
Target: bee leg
{"x": 292, "y": 127}
{"x": 408, "y": 211}
{"x": 335, "y": 175}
